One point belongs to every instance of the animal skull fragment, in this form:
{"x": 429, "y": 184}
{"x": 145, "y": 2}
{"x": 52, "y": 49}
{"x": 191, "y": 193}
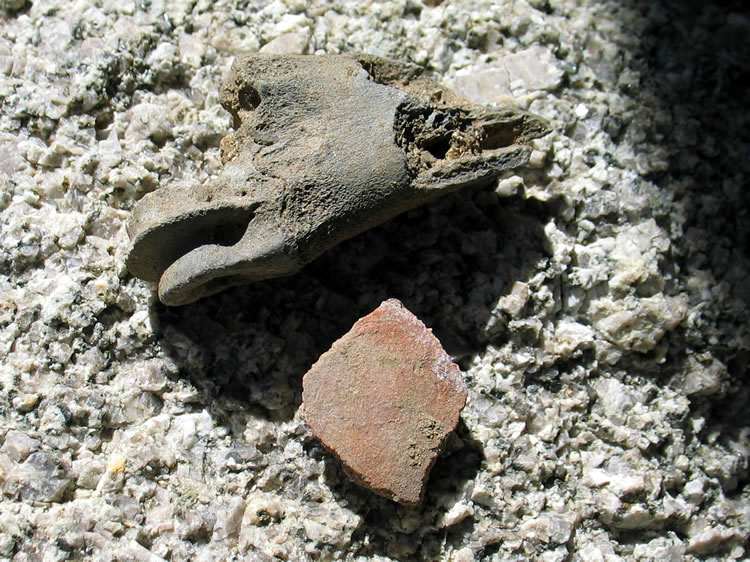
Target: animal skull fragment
{"x": 324, "y": 148}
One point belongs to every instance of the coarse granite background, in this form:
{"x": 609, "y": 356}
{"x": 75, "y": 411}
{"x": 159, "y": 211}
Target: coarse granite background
{"x": 596, "y": 301}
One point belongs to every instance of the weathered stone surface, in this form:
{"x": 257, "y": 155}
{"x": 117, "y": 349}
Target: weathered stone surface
{"x": 19, "y": 445}
{"x": 43, "y": 477}
{"x": 383, "y": 399}
{"x": 325, "y": 147}
{"x": 98, "y": 110}
{"x": 291, "y": 43}
{"x": 523, "y": 72}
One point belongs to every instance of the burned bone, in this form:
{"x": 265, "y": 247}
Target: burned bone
{"x": 324, "y": 148}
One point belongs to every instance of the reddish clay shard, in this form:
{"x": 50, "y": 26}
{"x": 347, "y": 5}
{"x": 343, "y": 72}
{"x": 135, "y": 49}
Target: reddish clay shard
{"x": 384, "y": 399}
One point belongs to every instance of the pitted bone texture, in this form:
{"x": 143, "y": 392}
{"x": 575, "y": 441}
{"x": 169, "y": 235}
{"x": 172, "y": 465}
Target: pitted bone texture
{"x": 324, "y": 147}
{"x": 384, "y": 399}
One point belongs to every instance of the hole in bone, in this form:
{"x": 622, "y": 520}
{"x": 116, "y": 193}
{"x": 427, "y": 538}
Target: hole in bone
{"x": 231, "y": 232}
{"x": 249, "y": 97}
{"x": 165, "y": 245}
{"x": 222, "y": 227}
{"x": 439, "y": 147}
{"x": 498, "y": 135}
{"x": 430, "y": 135}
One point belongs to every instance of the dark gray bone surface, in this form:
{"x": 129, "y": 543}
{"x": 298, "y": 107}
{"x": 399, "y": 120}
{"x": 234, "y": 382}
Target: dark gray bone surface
{"x": 325, "y": 147}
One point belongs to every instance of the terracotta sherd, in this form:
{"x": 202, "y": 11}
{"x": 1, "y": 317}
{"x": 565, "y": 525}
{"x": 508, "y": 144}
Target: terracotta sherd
{"x": 384, "y": 399}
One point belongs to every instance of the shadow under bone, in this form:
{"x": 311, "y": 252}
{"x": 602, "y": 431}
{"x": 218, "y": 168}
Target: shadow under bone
{"x": 448, "y": 262}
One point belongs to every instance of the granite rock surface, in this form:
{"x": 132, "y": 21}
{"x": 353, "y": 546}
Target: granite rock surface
{"x": 596, "y": 301}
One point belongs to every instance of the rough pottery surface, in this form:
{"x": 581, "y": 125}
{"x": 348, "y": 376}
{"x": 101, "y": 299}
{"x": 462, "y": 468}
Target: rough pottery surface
{"x": 325, "y": 147}
{"x": 384, "y": 399}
